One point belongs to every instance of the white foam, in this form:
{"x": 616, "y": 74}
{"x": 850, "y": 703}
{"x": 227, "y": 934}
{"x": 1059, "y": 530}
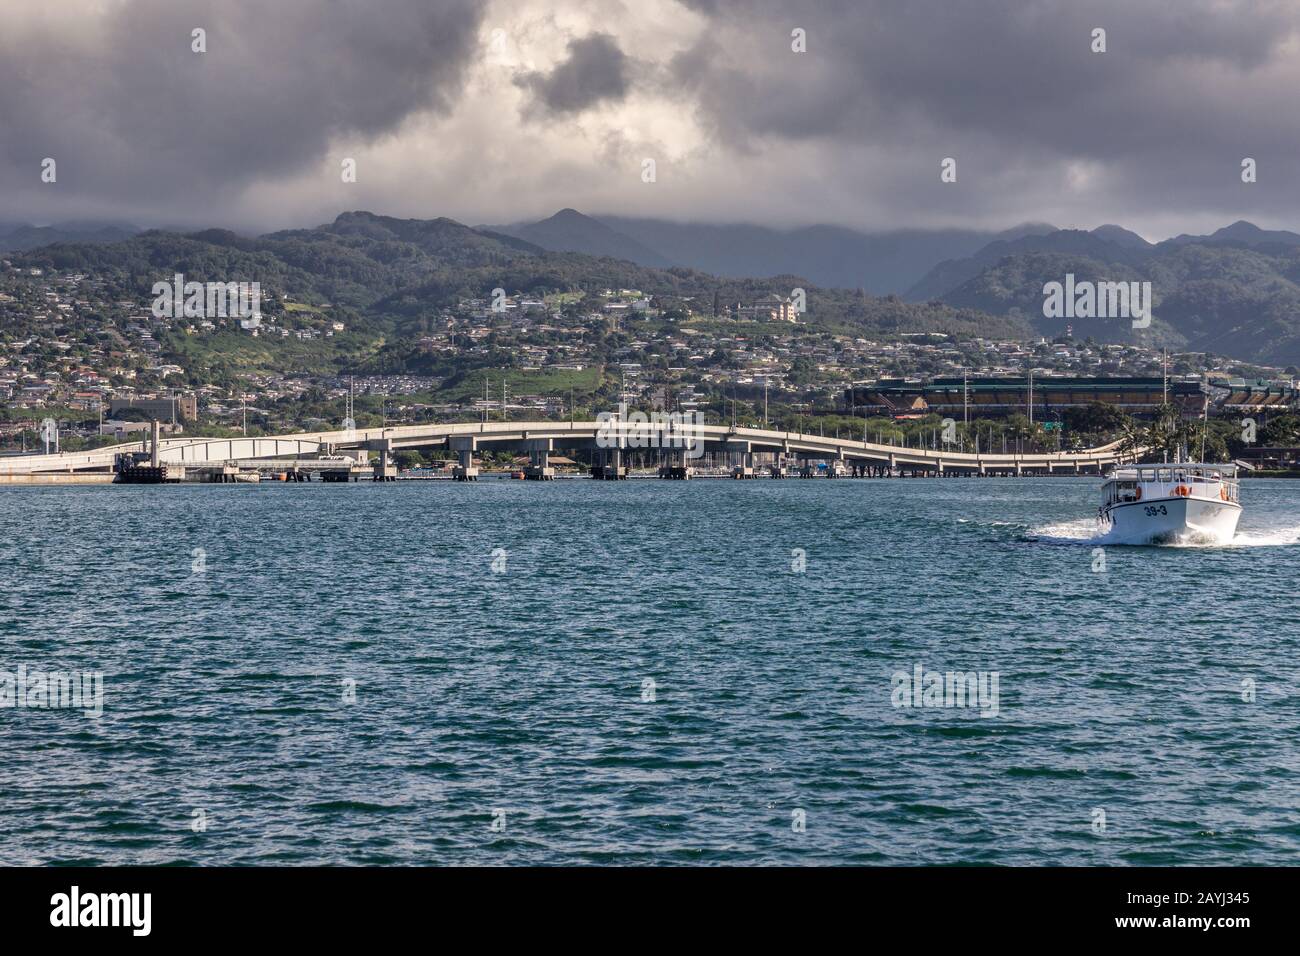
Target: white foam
{"x": 1087, "y": 531}
{"x": 1262, "y": 538}
{"x": 1079, "y": 531}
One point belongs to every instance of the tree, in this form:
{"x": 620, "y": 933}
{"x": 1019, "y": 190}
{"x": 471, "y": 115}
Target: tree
{"x": 1282, "y": 430}
{"x": 1095, "y": 418}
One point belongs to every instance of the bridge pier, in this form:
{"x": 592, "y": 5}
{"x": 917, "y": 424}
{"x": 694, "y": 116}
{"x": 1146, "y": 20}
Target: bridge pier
{"x": 740, "y": 455}
{"x": 670, "y": 469}
{"x": 539, "y": 460}
{"x": 464, "y": 447}
{"x": 384, "y": 469}
{"x": 465, "y": 469}
{"x": 610, "y": 466}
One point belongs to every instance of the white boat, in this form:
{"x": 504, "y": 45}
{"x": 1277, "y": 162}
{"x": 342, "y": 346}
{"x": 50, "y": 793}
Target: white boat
{"x": 1171, "y": 504}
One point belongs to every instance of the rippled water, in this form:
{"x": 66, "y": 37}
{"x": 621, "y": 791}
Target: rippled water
{"x": 521, "y": 697}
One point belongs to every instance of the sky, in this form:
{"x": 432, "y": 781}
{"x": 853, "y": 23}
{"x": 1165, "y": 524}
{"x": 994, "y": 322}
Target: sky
{"x": 498, "y": 111}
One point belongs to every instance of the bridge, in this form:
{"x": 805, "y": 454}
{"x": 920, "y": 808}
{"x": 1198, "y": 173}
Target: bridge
{"x": 611, "y": 443}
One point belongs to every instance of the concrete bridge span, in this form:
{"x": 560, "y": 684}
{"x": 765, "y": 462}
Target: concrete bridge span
{"x": 541, "y": 437}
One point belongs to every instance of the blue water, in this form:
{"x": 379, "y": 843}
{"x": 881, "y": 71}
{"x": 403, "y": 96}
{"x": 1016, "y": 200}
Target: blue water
{"x": 518, "y": 698}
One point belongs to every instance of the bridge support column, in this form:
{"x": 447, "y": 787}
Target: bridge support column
{"x": 465, "y": 470}
{"x": 740, "y": 455}
{"x": 611, "y": 467}
{"x": 539, "y": 460}
{"x": 464, "y": 447}
{"x": 675, "y": 465}
{"x": 385, "y": 470}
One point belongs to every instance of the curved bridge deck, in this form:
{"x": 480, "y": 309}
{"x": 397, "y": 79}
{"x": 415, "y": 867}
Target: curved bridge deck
{"x": 546, "y": 436}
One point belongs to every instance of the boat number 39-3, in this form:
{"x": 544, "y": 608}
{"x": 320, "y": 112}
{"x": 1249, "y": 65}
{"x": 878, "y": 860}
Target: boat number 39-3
{"x": 1156, "y": 510}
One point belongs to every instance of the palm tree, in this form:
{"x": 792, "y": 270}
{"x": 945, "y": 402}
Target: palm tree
{"x": 1167, "y": 435}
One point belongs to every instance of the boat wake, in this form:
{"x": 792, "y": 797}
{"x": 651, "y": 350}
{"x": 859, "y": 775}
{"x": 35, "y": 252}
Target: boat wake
{"x": 1085, "y": 531}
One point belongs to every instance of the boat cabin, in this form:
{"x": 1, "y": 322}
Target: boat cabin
{"x": 1145, "y": 482}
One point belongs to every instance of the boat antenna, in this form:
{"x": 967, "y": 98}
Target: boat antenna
{"x": 1205, "y": 424}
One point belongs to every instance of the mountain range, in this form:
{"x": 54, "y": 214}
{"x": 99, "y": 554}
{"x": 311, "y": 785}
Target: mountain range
{"x": 831, "y": 256}
{"x": 1235, "y": 291}
{"x": 18, "y": 236}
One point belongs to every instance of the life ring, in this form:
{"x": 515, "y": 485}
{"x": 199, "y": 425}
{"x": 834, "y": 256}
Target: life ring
{"x": 1182, "y": 491}
{"x": 1223, "y": 493}
{"x": 1137, "y": 493}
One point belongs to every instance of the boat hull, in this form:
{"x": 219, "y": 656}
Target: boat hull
{"x": 1175, "y": 520}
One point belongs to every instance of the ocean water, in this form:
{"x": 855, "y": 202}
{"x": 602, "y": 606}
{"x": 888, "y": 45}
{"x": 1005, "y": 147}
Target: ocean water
{"x": 645, "y": 672}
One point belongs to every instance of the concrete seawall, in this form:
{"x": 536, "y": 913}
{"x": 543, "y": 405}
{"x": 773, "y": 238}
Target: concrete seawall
{"x": 70, "y": 479}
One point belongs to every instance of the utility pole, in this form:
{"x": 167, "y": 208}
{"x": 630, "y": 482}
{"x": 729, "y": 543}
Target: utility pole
{"x": 243, "y": 405}
{"x": 1030, "y": 401}
{"x": 1164, "y": 376}
{"x": 486, "y": 399}
{"x": 965, "y": 399}
{"x": 765, "y": 381}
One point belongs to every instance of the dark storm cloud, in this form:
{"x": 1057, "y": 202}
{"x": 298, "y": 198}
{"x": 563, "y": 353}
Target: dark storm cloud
{"x": 1185, "y": 90}
{"x": 1000, "y": 65}
{"x": 128, "y": 110}
{"x": 1149, "y": 134}
{"x": 595, "y": 70}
